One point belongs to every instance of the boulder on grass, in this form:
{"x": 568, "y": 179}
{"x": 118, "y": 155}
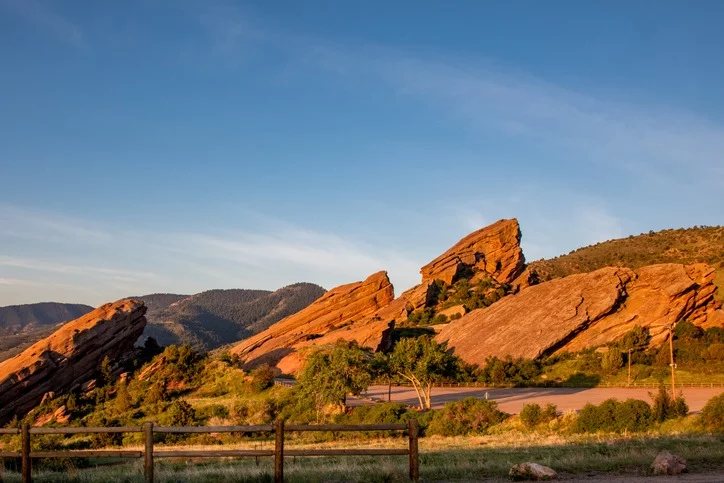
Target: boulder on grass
{"x": 532, "y": 471}
{"x": 668, "y": 464}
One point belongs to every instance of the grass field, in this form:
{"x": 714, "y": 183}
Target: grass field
{"x": 442, "y": 459}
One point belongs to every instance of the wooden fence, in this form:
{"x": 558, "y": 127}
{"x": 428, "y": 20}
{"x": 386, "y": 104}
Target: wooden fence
{"x": 149, "y": 454}
{"x": 482, "y": 385}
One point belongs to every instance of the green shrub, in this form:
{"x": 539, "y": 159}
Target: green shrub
{"x": 667, "y": 407}
{"x": 715, "y": 352}
{"x": 262, "y": 377}
{"x": 467, "y": 416}
{"x": 612, "y": 360}
{"x": 212, "y": 411}
{"x": 713, "y": 414}
{"x": 714, "y": 335}
{"x": 531, "y": 415}
{"x": 632, "y": 415}
{"x": 180, "y": 413}
{"x": 509, "y": 370}
{"x": 685, "y": 330}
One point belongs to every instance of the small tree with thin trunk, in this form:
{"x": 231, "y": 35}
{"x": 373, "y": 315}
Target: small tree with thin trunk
{"x": 636, "y": 339}
{"x": 333, "y": 372}
{"x": 422, "y": 361}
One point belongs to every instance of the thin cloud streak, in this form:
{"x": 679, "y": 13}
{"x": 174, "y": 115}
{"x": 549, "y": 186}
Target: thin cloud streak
{"x": 661, "y": 145}
{"x": 192, "y": 262}
{"x": 42, "y": 15}
{"x": 519, "y": 106}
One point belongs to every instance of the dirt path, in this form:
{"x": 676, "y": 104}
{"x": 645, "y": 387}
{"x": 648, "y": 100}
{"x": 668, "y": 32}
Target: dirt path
{"x": 512, "y": 400}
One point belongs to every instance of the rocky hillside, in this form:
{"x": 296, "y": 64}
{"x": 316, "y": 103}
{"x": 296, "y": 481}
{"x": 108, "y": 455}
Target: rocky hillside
{"x": 70, "y": 356}
{"x": 474, "y": 271}
{"x": 683, "y": 245}
{"x": 218, "y": 317}
{"x": 588, "y": 310}
{"x": 345, "y": 312}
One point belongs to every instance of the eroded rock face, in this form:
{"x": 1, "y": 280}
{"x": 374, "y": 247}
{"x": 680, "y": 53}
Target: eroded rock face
{"x": 346, "y": 312}
{"x": 69, "y": 356}
{"x": 585, "y": 310}
{"x": 494, "y": 249}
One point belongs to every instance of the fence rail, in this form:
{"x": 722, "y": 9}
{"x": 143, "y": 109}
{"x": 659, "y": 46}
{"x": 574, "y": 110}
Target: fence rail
{"x": 149, "y": 453}
{"x": 482, "y": 385}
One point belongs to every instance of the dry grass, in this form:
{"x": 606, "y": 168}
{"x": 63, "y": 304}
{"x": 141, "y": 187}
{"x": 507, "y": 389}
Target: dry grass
{"x": 442, "y": 459}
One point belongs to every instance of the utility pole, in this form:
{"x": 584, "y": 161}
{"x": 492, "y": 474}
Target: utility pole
{"x": 673, "y": 365}
{"x": 629, "y": 367}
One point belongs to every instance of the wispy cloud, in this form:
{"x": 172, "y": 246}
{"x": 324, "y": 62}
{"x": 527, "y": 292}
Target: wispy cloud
{"x": 634, "y": 137}
{"x": 657, "y": 143}
{"x": 41, "y": 14}
{"x": 87, "y": 270}
{"x": 137, "y": 261}
{"x": 24, "y": 223}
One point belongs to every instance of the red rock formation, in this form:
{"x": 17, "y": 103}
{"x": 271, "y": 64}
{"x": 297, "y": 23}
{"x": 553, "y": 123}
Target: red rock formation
{"x": 69, "y": 356}
{"x": 585, "y": 310}
{"x": 494, "y": 249}
{"x": 346, "y": 312}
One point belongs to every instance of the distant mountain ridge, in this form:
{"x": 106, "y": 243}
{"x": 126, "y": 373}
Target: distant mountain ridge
{"x": 217, "y": 317}
{"x": 19, "y": 318}
{"x": 206, "y": 320}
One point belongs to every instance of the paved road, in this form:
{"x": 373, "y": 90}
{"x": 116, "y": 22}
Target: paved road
{"x": 512, "y": 399}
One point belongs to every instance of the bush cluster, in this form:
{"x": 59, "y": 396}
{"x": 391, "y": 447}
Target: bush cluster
{"x": 713, "y": 414}
{"x": 464, "y": 417}
{"x": 531, "y": 415}
{"x": 508, "y": 370}
{"x": 667, "y": 407}
{"x": 631, "y": 415}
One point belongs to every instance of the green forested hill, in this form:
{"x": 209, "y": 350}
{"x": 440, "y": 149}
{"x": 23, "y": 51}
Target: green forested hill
{"x": 217, "y": 317}
{"x": 683, "y": 245}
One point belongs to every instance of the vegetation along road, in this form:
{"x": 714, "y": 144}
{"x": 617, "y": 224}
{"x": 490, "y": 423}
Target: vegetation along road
{"x": 511, "y": 400}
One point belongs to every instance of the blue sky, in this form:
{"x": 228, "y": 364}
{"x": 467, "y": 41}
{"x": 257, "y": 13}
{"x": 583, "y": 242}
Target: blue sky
{"x": 186, "y": 145}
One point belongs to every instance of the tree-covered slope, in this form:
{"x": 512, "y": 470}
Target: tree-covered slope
{"x": 683, "y": 245}
{"x": 19, "y": 318}
{"x": 217, "y": 317}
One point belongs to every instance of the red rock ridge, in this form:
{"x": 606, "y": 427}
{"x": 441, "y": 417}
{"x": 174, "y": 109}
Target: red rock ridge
{"x": 69, "y": 356}
{"x": 586, "y": 310}
{"x": 494, "y": 249}
{"x": 345, "y": 312}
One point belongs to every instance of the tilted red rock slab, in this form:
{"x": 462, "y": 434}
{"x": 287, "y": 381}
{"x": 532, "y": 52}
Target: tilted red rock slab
{"x": 69, "y": 356}
{"x": 494, "y": 249}
{"x": 585, "y": 310}
{"x": 345, "y": 312}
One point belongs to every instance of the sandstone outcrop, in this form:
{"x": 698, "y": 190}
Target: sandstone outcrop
{"x": 69, "y": 356}
{"x": 345, "y": 312}
{"x": 494, "y": 249}
{"x": 585, "y": 310}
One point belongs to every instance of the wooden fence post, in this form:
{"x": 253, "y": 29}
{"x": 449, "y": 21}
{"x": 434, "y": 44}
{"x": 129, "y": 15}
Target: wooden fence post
{"x": 148, "y": 453}
{"x": 279, "y": 453}
{"x": 27, "y": 467}
{"x": 413, "y": 431}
